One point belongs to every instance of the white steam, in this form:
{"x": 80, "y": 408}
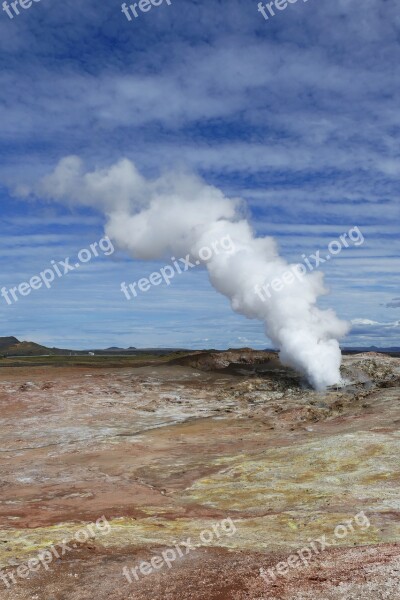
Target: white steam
{"x": 179, "y": 214}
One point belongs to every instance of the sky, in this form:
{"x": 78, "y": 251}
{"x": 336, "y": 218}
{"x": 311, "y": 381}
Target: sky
{"x": 297, "y": 115}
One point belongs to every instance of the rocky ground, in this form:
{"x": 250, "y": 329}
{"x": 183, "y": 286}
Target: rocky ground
{"x": 230, "y": 444}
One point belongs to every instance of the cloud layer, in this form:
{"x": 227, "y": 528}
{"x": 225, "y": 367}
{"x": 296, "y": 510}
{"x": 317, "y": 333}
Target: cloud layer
{"x": 298, "y": 115}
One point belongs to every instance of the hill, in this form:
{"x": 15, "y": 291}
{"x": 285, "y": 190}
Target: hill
{"x": 11, "y": 346}
{"x": 8, "y": 341}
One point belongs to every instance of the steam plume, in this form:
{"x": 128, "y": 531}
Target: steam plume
{"x": 179, "y": 214}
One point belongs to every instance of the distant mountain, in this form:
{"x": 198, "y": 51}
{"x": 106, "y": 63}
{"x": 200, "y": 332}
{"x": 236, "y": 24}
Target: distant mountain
{"x": 116, "y": 349}
{"x": 11, "y": 346}
{"x": 8, "y": 341}
{"x": 389, "y": 349}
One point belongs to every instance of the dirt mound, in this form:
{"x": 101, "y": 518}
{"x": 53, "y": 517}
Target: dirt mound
{"x": 214, "y": 360}
{"x": 375, "y": 368}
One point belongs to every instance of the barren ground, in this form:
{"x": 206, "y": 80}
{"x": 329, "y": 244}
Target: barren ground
{"x": 166, "y": 451}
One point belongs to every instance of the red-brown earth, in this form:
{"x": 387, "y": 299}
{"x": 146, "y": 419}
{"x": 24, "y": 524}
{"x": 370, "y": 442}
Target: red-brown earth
{"x": 167, "y": 451}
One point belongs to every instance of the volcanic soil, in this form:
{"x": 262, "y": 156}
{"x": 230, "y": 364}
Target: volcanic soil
{"x": 169, "y": 450}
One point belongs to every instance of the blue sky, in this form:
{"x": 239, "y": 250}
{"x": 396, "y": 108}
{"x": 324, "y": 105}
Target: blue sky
{"x": 298, "y": 115}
